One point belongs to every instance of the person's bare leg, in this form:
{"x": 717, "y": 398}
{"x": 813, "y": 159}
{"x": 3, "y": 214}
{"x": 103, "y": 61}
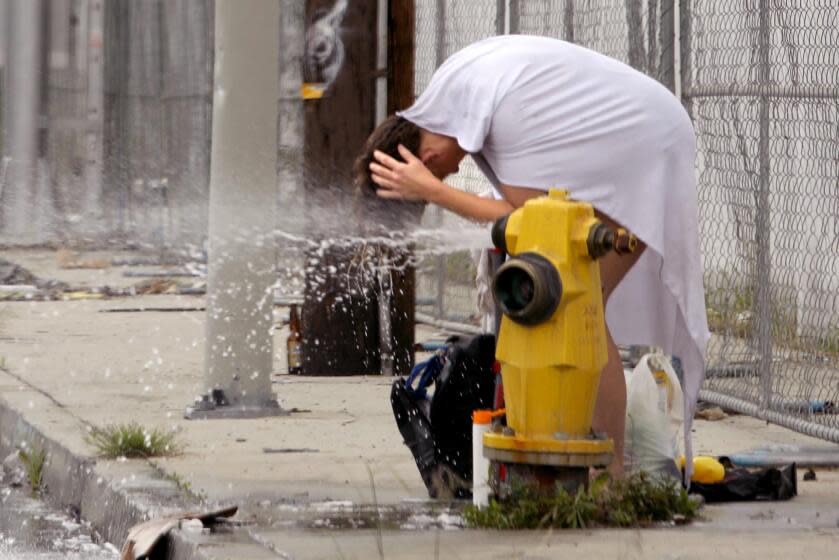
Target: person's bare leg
{"x": 610, "y": 408}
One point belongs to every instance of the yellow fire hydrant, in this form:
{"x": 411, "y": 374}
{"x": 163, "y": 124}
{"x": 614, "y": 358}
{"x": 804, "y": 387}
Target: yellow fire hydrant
{"x": 552, "y": 340}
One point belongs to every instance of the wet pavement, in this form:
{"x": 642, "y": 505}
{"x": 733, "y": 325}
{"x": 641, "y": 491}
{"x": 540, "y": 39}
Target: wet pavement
{"x": 31, "y": 530}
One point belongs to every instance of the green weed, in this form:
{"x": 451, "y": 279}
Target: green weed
{"x": 132, "y": 440}
{"x": 635, "y": 501}
{"x": 34, "y": 462}
{"x": 184, "y": 486}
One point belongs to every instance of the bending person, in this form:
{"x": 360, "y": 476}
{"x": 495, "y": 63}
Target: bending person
{"x": 536, "y": 113}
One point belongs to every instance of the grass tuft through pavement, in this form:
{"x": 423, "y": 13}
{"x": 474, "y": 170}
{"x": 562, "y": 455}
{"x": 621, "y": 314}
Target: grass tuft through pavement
{"x": 34, "y": 461}
{"x": 132, "y": 440}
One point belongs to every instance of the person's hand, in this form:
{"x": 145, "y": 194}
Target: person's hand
{"x": 410, "y": 180}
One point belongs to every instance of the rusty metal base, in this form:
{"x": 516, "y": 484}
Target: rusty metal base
{"x": 543, "y": 465}
{"x": 507, "y": 477}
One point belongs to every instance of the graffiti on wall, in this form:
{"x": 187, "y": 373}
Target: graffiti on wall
{"x": 324, "y": 47}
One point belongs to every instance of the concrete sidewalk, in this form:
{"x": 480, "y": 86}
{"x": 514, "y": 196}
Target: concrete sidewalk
{"x": 308, "y": 484}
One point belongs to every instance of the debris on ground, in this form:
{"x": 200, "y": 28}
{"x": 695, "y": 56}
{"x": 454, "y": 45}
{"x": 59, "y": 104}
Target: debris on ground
{"x": 13, "y": 472}
{"x": 743, "y": 484}
{"x": 18, "y": 283}
{"x": 155, "y": 286}
{"x": 15, "y": 275}
{"x": 189, "y": 270}
{"x": 156, "y": 260}
{"x": 710, "y": 413}
{"x": 810, "y": 475}
{"x": 143, "y": 538}
{"x": 82, "y": 294}
{"x": 774, "y": 455}
{"x": 159, "y": 285}
{"x": 270, "y": 450}
{"x": 154, "y": 309}
{"x": 73, "y": 259}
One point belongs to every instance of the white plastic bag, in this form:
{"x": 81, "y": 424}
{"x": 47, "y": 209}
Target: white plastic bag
{"x": 654, "y": 416}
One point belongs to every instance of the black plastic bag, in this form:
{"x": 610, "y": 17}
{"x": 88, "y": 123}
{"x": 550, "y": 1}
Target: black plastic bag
{"x": 437, "y": 427}
{"x": 741, "y": 484}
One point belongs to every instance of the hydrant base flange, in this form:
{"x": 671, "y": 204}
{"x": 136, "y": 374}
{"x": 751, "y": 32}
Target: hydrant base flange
{"x": 554, "y": 452}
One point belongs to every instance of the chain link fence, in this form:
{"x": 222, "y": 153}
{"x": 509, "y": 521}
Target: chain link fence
{"x": 760, "y": 79}
{"x": 762, "y": 83}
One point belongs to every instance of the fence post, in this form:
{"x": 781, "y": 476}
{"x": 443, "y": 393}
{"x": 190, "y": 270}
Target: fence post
{"x": 291, "y": 200}
{"x": 514, "y": 10}
{"x": 667, "y": 44}
{"x": 635, "y": 24}
{"x": 439, "y": 260}
{"x": 401, "y": 92}
{"x": 568, "y": 21}
{"x": 763, "y": 272}
{"x": 685, "y": 55}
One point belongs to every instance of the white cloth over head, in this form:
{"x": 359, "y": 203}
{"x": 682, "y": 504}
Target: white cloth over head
{"x": 542, "y": 113}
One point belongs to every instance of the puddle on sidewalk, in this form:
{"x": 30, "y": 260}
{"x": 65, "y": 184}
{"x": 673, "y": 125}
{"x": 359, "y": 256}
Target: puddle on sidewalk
{"x": 345, "y": 515}
{"x": 31, "y": 530}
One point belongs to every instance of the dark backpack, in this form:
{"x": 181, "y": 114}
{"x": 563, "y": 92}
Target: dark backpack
{"x": 437, "y": 427}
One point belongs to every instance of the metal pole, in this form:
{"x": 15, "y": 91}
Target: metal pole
{"x": 20, "y": 205}
{"x": 440, "y": 260}
{"x": 4, "y": 97}
{"x": 500, "y": 17}
{"x": 4, "y": 30}
{"x": 635, "y": 25}
{"x": 385, "y": 284}
{"x": 763, "y": 272}
{"x": 95, "y": 113}
{"x": 440, "y": 37}
{"x": 513, "y": 20}
{"x": 242, "y": 267}
{"x": 385, "y": 325}
{"x": 568, "y": 21}
{"x": 667, "y": 43}
{"x": 59, "y": 20}
{"x": 804, "y": 91}
{"x": 290, "y": 126}
{"x": 382, "y": 10}
{"x": 685, "y": 62}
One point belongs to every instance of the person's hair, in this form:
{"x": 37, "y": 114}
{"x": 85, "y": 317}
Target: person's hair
{"x": 386, "y": 138}
{"x": 377, "y": 213}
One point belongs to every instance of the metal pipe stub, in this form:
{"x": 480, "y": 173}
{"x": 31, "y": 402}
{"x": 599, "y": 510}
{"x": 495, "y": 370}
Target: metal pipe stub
{"x": 602, "y": 239}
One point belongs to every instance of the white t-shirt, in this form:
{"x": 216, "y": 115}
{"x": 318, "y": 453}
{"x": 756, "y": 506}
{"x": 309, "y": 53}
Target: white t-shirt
{"x": 541, "y": 113}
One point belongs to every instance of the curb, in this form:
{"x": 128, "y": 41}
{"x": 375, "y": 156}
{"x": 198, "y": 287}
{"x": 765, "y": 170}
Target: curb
{"x": 115, "y": 497}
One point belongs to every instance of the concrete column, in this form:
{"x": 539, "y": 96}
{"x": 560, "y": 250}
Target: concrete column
{"x": 19, "y": 203}
{"x": 239, "y": 349}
